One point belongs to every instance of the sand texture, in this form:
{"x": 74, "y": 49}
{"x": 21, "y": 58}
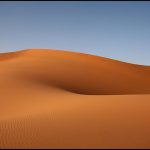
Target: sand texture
{"x": 62, "y": 99}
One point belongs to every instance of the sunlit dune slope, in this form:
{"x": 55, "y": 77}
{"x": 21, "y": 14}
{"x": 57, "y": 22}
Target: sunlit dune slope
{"x": 60, "y": 99}
{"x": 77, "y": 72}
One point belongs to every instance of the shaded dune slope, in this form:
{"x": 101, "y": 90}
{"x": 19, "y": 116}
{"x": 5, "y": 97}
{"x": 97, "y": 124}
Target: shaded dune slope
{"x": 78, "y": 73}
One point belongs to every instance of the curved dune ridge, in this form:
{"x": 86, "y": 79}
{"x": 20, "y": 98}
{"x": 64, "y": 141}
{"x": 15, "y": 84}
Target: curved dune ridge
{"x": 80, "y": 73}
{"x": 62, "y": 99}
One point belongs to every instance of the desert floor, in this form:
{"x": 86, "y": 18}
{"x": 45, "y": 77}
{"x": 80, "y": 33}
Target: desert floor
{"x": 60, "y": 99}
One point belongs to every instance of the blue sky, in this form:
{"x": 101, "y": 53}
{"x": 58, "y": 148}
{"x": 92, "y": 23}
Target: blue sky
{"x": 118, "y": 30}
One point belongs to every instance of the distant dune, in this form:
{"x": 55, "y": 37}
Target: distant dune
{"x": 60, "y": 99}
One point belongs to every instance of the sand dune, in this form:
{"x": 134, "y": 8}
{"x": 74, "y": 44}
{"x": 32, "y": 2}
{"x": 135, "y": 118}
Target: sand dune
{"x": 60, "y": 99}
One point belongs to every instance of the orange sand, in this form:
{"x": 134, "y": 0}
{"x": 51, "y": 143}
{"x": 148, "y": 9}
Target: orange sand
{"x": 60, "y": 99}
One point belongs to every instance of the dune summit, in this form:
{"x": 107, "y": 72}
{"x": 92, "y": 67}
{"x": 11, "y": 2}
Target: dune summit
{"x": 60, "y": 99}
{"x": 78, "y": 73}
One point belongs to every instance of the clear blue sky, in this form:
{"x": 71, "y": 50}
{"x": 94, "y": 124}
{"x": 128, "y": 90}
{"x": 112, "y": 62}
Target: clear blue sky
{"x": 118, "y": 30}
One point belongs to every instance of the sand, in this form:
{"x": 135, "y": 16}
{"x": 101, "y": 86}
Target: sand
{"x": 62, "y": 99}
